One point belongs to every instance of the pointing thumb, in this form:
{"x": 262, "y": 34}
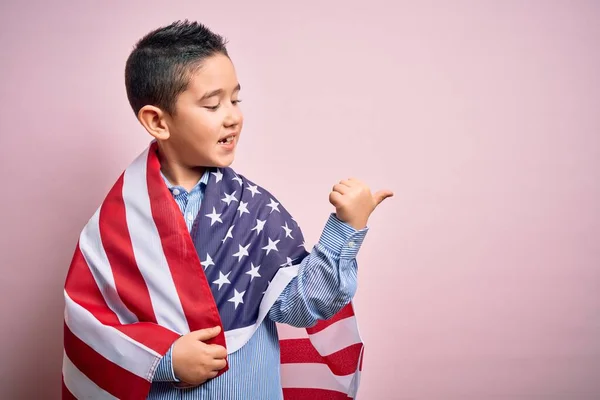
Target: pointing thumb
{"x": 381, "y": 196}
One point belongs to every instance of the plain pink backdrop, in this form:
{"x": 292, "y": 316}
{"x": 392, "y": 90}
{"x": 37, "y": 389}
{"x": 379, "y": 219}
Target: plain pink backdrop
{"x": 479, "y": 280}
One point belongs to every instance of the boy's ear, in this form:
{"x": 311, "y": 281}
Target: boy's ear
{"x": 153, "y": 119}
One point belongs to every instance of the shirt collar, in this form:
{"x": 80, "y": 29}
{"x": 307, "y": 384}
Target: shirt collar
{"x": 203, "y": 181}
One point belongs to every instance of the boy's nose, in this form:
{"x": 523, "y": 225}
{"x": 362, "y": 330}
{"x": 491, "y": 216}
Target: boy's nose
{"x": 233, "y": 118}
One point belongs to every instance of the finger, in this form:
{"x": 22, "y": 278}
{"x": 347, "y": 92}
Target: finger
{"x": 217, "y": 352}
{"x": 212, "y": 374}
{"x": 335, "y": 198}
{"x": 343, "y": 189}
{"x": 348, "y": 182}
{"x": 219, "y": 364}
{"x": 382, "y": 195}
{"x": 206, "y": 334}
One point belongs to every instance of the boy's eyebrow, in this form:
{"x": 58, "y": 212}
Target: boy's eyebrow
{"x": 218, "y": 92}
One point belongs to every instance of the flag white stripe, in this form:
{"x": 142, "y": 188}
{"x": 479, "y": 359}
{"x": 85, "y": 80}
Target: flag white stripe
{"x": 109, "y": 342}
{"x": 90, "y": 244}
{"x": 80, "y": 385}
{"x": 313, "y": 376}
{"x": 147, "y": 248}
{"x": 336, "y": 336}
{"x": 286, "y": 332}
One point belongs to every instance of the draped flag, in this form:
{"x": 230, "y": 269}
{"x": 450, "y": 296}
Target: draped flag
{"x": 138, "y": 280}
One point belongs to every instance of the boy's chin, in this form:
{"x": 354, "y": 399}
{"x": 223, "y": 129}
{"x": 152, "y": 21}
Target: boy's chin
{"x": 221, "y": 163}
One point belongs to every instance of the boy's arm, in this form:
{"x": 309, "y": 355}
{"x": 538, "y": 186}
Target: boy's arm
{"x": 326, "y": 279}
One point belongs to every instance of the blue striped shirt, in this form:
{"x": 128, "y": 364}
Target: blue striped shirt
{"x": 326, "y": 282}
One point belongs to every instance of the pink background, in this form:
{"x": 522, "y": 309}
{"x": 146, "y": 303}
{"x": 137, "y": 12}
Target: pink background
{"x": 479, "y": 280}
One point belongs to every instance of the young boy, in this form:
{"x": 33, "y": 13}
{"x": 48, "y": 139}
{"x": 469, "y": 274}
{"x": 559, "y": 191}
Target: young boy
{"x": 180, "y": 277}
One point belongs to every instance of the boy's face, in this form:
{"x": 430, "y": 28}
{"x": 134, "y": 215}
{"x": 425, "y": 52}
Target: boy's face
{"x": 205, "y": 128}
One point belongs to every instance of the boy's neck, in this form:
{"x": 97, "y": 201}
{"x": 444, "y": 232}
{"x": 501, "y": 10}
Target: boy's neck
{"x": 178, "y": 174}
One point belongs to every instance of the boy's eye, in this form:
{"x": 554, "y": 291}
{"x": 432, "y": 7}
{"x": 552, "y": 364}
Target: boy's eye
{"x": 215, "y": 108}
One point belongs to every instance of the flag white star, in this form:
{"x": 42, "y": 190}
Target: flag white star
{"x": 238, "y": 179}
{"x": 214, "y": 217}
{"x": 208, "y": 262}
{"x": 237, "y": 298}
{"x": 301, "y": 244}
{"x": 218, "y": 175}
{"x": 243, "y": 208}
{"x": 274, "y": 205}
{"x": 223, "y": 279}
{"x": 243, "y": 251}
{"x": 271, "y": 246}
{"x": 229, "y": 235}
{"x": 253, "y": 272}
{"x": 288, "y": 263}
{"x": 288, "y": 231}
{"x": 229, "y": 198}
{"x": 253, "y": 189}
{"x": 259, "y": 225}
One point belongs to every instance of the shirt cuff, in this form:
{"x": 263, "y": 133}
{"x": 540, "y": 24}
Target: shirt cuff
{"x": 164, "y": 371}
{"x": 341, "y": 238}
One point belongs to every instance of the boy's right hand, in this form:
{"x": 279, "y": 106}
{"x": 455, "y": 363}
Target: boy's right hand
{"x": 194, "y": 361}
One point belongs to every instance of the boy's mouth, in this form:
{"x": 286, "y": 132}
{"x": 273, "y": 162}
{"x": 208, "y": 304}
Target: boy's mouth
{"x": 227, "y": 140}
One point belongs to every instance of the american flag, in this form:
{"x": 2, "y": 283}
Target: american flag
{"x": 138, "y": 280}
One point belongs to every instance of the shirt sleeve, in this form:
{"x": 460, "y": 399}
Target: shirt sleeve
{"x": 326, "y": 280}
{"x": 164, "y": 371}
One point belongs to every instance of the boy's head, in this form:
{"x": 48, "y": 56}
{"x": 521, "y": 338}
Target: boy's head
{"x": 183, "y": 89}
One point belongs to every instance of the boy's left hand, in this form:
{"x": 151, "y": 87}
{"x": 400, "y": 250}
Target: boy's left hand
{"x": 354, "y": 202}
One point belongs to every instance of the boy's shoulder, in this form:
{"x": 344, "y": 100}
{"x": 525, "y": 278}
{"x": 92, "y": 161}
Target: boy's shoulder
{"x": 246, "y": 191}
{"x": 241, "y": 182}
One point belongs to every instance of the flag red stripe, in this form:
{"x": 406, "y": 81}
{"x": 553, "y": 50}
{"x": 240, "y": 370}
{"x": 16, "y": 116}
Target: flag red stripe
{"x": 300, "y": 351}
{"x": 66, "y": 394}
{"x": 188, "y": 275}
{"x": 345, "y": 312}
{"x": 153, "y": 336}
{"x": 313, "y": 394}
{"x": 82, "y": 289}
{"x": 109, "y": 376}
{"x": 180, "y": 253}
{"x": 114, "y": 232}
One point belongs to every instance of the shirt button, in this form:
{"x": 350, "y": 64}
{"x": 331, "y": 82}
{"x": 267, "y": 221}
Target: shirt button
{"x": 176, "y": 192}
{"x": 190, "y": 216}
{"x": 351, "y": 244}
